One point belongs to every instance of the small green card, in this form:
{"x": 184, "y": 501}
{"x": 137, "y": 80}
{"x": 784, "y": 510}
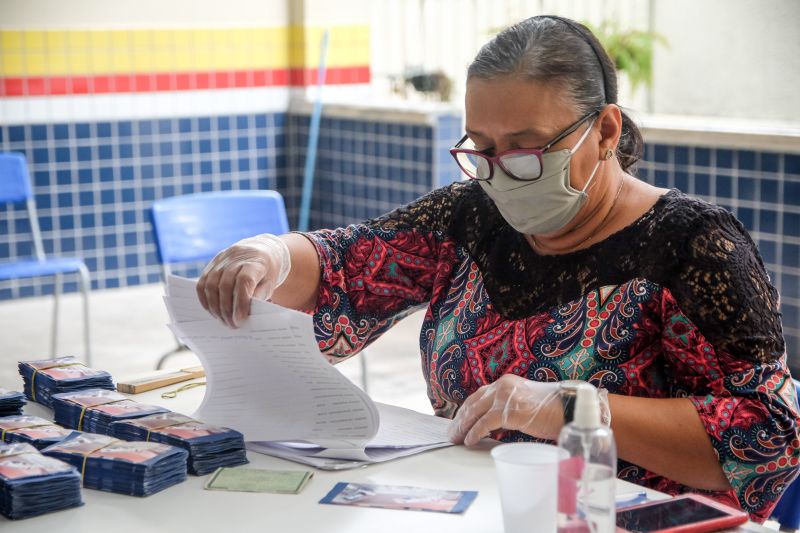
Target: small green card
{"x": 256, "y": 480}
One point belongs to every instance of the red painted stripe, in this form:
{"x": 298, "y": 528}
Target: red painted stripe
{"x": 178, "y": 81}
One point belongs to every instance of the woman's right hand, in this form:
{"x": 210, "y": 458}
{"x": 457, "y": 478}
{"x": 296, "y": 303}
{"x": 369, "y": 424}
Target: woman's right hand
{"x": 251, "y": 268}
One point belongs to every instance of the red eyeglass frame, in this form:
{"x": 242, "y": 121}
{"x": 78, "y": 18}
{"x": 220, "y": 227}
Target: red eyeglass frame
{"x": 497, "y": 159}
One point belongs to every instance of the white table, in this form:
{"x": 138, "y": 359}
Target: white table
{"x": 187, "y": 507}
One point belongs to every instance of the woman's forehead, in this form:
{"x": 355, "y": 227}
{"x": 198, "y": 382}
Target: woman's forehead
{"x": 508, "y": 105}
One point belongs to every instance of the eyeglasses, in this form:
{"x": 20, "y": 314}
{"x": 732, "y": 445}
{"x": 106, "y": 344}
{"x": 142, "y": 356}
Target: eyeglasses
{"x": 516, "y": 163}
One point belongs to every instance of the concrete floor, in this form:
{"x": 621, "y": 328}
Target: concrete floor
{"x": 129, "y": 334}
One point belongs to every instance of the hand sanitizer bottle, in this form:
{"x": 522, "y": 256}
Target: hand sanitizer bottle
{"x": 586, "y": 501}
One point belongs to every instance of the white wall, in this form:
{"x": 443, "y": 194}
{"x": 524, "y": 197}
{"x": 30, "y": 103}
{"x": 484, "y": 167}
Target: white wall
{"x": 334, "y": 12}
{"x": 32, "y": 14}
{"x": 728, "y": 58}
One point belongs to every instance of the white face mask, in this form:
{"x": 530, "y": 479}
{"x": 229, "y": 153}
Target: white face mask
{"x": 543, "y": 205}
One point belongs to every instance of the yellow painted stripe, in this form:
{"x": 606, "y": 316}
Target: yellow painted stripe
{"x": 90, "y": 52}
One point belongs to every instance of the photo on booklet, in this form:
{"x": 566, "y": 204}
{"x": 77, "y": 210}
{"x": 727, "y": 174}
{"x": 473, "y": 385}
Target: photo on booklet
{"x": 400, "y": 497}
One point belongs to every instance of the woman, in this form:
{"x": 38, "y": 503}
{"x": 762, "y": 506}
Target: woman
{"x": 554, "y": 263}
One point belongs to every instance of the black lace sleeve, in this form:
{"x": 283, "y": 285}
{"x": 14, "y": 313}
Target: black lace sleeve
{"x": 723, "y": 287}
{"x": 432, "y": 212}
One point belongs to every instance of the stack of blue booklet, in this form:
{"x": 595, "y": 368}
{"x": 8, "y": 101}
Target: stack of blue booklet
{"x": 94, "y": 410}
{"x": 113, "y": 465}
{"x": 43, "y": 379}
{"x": 33, "y": 430}
{"x": 32, "y": 484}
{"x": 209, "y": 447}
{"x": 11, "y": 402}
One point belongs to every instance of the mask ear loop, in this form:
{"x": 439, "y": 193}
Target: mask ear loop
{"x": 596, "y": 165}
{"x": 591, "y": 176}
{"x": 606, "y": 156}
{"x": 583, "y": 137}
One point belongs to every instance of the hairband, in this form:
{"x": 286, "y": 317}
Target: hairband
{"x": 577, "y": 29}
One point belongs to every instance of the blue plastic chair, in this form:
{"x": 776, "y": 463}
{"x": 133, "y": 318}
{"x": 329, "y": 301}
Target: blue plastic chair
{"x": 195, "y": 227}
{"x": 787, "y": 512}
{"x": 15, "y": 187}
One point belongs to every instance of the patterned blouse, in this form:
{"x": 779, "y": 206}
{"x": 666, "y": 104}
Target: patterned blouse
{"x": 678, "y": 304}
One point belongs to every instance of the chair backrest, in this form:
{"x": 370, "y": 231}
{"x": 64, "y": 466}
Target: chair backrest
{"x": 15, "y": 186}
{"x": 195, "y": 227}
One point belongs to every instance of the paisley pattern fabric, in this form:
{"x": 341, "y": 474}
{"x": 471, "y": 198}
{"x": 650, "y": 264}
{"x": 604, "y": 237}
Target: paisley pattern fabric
{"x": 628, "y": 332}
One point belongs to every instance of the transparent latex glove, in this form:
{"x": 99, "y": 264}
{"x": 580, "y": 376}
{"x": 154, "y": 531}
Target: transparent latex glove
{"x": 515, "y": 403}
{"x": 512, "y": 403}
{"x": 605, "y": 410}
{"x": 251, "y": 268}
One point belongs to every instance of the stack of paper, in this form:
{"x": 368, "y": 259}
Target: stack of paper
{"x": 11, "y": 402}
{"x": 269, "y": 381}
{"x": 38, "y": 432}
{"x": 42, "y": 379}
{"x": 94, "y": 410}
{"x": 209, "y": 447}
{"x": 32, "y": 484}
{"x": 113, "y": 465}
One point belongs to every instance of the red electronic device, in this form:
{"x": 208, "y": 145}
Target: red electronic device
{"x": 689, "y": 513}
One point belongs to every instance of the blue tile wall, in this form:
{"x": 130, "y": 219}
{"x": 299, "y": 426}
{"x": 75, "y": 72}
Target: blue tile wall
{"x": 95, "y": 182}
{"x": 763, "y": 190}
{"x": 367, "y": 168}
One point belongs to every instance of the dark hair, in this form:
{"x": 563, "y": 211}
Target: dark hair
{"x": 558, "y": 50}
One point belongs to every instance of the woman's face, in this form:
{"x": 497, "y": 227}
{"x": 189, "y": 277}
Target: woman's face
{"x": 508, "y": 113}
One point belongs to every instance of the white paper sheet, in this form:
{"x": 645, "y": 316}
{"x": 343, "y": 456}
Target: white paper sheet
{"x": 264, "y": 380}
{"x": 311, "y": 456}
{"x": 268, "y": 380}
{"x": 400, "y": 428}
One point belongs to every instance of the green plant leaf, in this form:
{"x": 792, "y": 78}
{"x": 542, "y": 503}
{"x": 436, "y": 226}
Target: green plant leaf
{"x": 630, "y": 50}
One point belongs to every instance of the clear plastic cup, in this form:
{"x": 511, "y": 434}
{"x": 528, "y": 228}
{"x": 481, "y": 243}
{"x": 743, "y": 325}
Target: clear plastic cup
{"x": 527, "y": 475}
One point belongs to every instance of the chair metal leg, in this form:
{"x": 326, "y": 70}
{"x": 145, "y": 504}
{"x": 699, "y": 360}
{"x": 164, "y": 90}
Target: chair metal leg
{"x": 178, "y": 348}
{"x": 54, "y": 322}
{"x": 86, "y": 286}
{"x": 363, "y": 357}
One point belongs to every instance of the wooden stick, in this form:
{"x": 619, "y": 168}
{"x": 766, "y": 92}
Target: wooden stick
{"x": 155, "y": 381}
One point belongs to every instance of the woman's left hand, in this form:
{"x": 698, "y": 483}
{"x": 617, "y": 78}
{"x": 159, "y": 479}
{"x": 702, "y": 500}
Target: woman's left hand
{"x": 512, "y": 403}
